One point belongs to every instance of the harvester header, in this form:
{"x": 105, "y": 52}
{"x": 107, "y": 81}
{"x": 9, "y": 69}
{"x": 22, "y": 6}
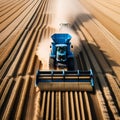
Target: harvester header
{"x": 65, "y": 78}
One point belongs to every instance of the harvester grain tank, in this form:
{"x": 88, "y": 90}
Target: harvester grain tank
{"x": 63, "y": 79}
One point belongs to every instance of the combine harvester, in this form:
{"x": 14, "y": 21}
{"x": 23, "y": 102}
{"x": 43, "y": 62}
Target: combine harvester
{"x": 62, "y": 76}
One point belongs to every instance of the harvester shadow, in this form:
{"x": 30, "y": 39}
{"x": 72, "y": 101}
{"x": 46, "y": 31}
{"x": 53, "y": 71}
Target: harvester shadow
{"x": 79, "y": 20}
{"x": 76, "y": 26}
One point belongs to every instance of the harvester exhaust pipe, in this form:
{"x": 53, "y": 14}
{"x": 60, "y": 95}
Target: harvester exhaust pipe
{"x": 65, "y": 80}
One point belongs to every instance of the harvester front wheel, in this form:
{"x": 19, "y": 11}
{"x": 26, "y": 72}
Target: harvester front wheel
{"x": 51, "y": 63}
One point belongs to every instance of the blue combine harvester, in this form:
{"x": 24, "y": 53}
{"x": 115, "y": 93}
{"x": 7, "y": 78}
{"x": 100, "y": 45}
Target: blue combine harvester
{"x": 63, "y": 80}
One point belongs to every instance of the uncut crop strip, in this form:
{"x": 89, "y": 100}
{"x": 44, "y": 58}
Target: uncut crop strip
{"x": 110, "y": 16}
{"x": 5, "y": 3}
{"x": 10, "y": 43}
{"x": 13, "y": 23}
{"x": 8, "y": 7}
{"x": 9, "y": 18}
{"x": 110, "y": 6}
{"x": 22, "y": 44}
{"x": 11, "y": 11}
{"x": 14, "y": 102}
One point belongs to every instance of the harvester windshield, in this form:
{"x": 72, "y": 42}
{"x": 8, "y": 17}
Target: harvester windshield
{"x": 61, "y": 49}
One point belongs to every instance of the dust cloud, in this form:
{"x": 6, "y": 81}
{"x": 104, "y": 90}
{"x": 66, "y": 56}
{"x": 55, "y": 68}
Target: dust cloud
{"x": 43, "y": 51}
{"x": 66, "y": 11}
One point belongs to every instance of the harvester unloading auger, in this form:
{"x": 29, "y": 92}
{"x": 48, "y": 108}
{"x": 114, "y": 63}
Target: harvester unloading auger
{"x": 66, "y": 78}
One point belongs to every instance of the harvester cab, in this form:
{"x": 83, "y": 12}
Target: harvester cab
{"x": 68, "y": 79}
{"x": 61, "y": 55}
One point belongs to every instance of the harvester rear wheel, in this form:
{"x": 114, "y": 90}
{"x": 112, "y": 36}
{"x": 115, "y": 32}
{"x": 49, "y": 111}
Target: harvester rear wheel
{"x": 51, "y": 63}
{"x": 71, "y": 64}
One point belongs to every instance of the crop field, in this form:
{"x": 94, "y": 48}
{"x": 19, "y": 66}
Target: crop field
{"x": 25, "y": 30}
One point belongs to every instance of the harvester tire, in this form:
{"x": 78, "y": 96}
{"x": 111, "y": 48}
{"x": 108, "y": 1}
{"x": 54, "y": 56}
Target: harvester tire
{"x": 51, "y": 63}
{"x": 70, "y": 64}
